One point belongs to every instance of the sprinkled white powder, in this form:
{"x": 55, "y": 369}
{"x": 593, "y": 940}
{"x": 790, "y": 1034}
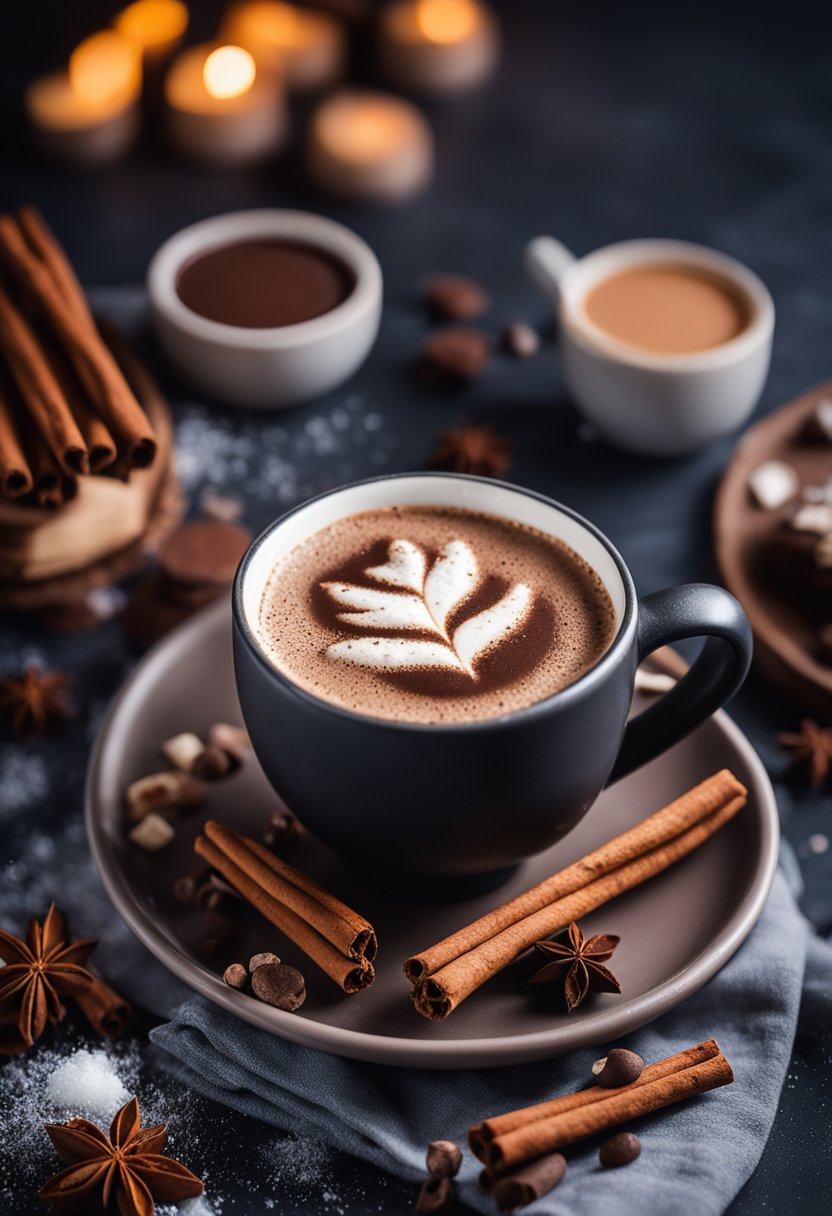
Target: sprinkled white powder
{"x": 23, "y": 780}
{"x": 87, "y": 1081}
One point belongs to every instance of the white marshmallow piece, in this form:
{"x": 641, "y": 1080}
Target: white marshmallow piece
{"x": 773, "y": 483}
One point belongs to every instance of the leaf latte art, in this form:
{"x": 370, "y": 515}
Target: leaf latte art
{"x": 415, "y": 599}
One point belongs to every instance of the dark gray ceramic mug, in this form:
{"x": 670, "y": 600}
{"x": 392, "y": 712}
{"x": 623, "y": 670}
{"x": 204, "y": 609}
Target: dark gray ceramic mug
{"x": 448, "y": 810}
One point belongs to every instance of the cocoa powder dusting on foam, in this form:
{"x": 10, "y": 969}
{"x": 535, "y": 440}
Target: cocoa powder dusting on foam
{"x": 488, "y": 616}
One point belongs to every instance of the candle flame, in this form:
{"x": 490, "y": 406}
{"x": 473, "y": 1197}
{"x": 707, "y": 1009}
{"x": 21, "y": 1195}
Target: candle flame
{"x": 104, "y": 67}
{"x": 228, "y": 71}
{"x": 152, "y": 23}
{"x": 446, "y": 20}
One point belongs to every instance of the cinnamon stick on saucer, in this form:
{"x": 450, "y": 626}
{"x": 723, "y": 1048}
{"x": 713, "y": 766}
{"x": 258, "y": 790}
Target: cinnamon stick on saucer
{"x": 445, "y": 974}
{"x": 341, "y": 942}
{"x": 508, "y": 1141}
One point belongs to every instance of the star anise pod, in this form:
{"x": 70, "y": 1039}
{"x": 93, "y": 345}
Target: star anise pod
{"x": 36, "y": 699}
{"x": 811, "y": 751}
{"x": 124, "y": 1171}
{"x": 38, "y": 972}
{"x": 579, "y": 963}
{"x": 469, "y": 448}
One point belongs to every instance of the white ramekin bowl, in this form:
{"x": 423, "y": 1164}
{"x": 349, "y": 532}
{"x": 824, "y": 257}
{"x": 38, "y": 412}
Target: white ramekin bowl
{"x": 276, "y": 367}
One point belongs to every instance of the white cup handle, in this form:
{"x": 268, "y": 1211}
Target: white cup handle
{"x": 547, "y": 260}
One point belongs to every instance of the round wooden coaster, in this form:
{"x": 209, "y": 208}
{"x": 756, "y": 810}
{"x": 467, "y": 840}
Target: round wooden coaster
{"x": 785, "y": 619}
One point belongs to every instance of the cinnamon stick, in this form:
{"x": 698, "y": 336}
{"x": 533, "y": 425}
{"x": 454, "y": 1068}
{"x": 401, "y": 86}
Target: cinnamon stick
{"x": 287, "y": 906}
{"x": 15, "y": 474}
{"x": 449, "y": 972}
{"x": 482, "y": 1134}
{"x": 94, "y": 364}
{"x": 39, "y": 389}
{"x": 541, "y": 1136}
{"x": 43, "y": 244}
{"x": 107, "y": 1012}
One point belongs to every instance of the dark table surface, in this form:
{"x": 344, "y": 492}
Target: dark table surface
{"x": 607, "y": 122}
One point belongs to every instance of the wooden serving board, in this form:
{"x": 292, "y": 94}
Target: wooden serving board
{"x": 785, "y": 624}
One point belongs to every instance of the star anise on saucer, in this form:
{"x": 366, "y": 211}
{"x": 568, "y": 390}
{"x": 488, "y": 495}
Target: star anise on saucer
{"x": 811, "y": 751}
{"x": 579, "y": 963}
{"x": 469, "y": 448}
{"x": 122, "y": 1172}
{"x": 38, "y": 972}
{"x": 36, "y": 699}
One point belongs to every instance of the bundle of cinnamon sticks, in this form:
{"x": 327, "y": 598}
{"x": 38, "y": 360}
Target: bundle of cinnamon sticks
{"x": 342, "y": 943}
{"x": 508, "y": 1142}
{"x": 66, "y": 409}
{"x": 445, "y": 974}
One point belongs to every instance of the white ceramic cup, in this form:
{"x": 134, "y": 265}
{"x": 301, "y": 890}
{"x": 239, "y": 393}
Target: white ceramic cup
{"x": 655, "y": 404}
{"x": 275, "y": 367}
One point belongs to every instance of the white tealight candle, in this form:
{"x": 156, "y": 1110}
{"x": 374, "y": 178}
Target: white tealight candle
{"x": 88, "y": 114}
{"x": 220, "y": 109}
{"x": 438, "y": 47}
{"x": 370, "y": 146}
{"x": 156, "y": 27}
{"x": 306, "y": 47}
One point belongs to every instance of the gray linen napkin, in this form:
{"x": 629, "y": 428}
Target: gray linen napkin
{"x": 695, "y": 1157}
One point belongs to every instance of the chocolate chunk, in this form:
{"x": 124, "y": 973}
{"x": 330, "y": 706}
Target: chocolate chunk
{"x": 261, "y": 959}
{"x": 236, "y": 976}
{"x": 187, "y": 886}
{"x": 620, "y": 1067}
{"x": 149, "y": 614}
{"x": 455, "y": 298}
{"x": 459, "y": 354}
{"x": 824, "y": 646}
{"x": 528, "y": 1183}
{"x": 619, "y": 1150}
{"x": 214, "y": 938}
{"x": 205, "y": 552}
{"x": 444, "y": 1159}
{"x": 281, "y": 830}
{"x": 232, "y": 739}
{"x": 279, "y": 985}
{"x": 520, "y": 340}
{"x": 211, "y": 763}
{"x": 818, "y": 427}
{"x": 436, "y": 1195}
{"x": 211, "y": 896}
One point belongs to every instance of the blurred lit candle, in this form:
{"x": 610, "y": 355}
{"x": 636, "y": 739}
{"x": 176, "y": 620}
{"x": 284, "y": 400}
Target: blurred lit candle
{"x": 306, "y": 47}
{"x": 220, "y": 109}
{"x": 155, "y": 27}
{"x": 437, "y": 47}
{"x": 369, "y": 146}
{"x": 87, "y": 114}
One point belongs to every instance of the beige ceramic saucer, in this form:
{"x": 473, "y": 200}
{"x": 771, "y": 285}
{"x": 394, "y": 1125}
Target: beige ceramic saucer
{"x": 676, "y": 931}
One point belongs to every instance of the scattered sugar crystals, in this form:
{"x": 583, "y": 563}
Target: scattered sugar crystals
{"x": 279, "y": 464}
{"x": 24, "y": 780}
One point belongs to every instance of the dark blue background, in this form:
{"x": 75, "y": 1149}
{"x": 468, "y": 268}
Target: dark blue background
{"x": 607, "y": 122}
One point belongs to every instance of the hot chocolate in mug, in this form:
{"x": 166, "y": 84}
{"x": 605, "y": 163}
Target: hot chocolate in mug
{"x": 445, "y": 808}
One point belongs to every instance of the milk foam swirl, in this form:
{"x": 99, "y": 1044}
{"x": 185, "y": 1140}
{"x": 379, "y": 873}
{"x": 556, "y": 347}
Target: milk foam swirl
{"x": 416, "y": 599}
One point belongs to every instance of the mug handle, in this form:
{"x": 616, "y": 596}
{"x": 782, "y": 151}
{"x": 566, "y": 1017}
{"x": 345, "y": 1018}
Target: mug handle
{"x": 547, "y": 261}
{"x": 690, "y": 611}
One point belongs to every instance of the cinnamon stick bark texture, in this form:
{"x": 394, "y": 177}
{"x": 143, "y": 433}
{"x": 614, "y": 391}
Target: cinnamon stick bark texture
{"x": 481, "y": 1135}
{"x": 39, "y": 389}
{"x": 341, "y": 942}
{"x": 447, "y": 973}
{"x": 107, "y": 1012}
{"x": 51, "y": 291}
{"x": 622, "y": 1106}
{"x": 15, "y": 474}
